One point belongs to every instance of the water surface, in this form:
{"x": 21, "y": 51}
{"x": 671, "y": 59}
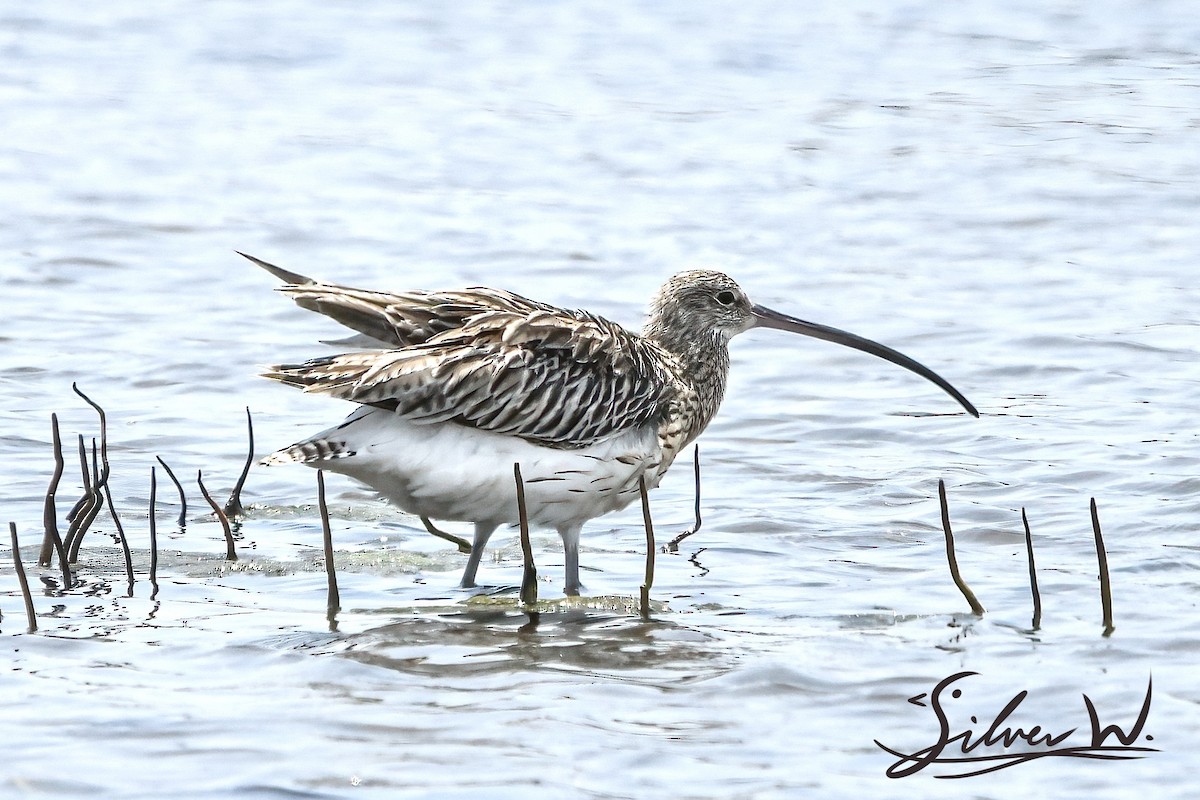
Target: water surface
{"x": 1007, "y": 192}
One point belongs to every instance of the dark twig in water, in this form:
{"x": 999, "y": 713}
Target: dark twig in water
{"x": 103, "y": 439}
{"x": 112, "y": 509}
{"x": 463, "y": 545}
{"x": 98, "y": 503}
{"x": 84, "y": 501}
{"x": 76, "y": 514}
{"x": 334, "y": 602}
{"x": 1033, "y": 582}
{"x": 230, "y": 550}
{"x": 1105, "y": 586}
{"x": 649, "y": 582}
{"x": 182, "y": 496}
{"x": 83, "y": 521}
{"x": 954, "y": 573}
{"x": 100, "y": 475}
{"x": 24, "y": 581}
{"x": 529, "y": 591}
{"x": 103, "y": 433}
{"x": 673, "y": 545}
{"x": 49, "y": 514}
{"x": 93, "y": 510}
{"x": 51, "y": 541}
{"x": 233, "y": 508}
{"x": 153, "y": 534}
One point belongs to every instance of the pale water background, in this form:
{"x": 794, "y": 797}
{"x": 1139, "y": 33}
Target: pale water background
{"x": 1008, "y": 192}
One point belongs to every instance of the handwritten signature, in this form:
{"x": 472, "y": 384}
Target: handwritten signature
{"x": 976, "y": 760}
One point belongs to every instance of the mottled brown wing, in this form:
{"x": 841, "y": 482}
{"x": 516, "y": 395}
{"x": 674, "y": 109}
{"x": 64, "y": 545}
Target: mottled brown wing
{"x": 566, "y": 379}
{"x": 398, "y": 319}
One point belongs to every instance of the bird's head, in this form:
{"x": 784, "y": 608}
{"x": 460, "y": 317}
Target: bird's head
{"x": 704, "y": 305}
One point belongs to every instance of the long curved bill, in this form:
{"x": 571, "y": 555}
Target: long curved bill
{"x": 766, "y": 318}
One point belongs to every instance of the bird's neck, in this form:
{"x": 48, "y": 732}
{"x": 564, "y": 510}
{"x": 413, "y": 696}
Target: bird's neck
{"x": 704, "y": 363}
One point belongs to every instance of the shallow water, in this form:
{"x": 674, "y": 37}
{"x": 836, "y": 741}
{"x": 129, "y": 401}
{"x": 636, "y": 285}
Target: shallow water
{"x": 1006, "y": 192}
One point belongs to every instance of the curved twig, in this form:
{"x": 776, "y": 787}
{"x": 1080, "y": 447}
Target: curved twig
{"x": 86, "y": 476}
{"x": 673, "y": 545}
{"x": 334, "y": 599}
{"x": 1033, "y": 582}
{"x": 22, "y": 579}
{"x": 112, "y": 509}
{"x": 182, "y": 496}
{"x": 100, "y": 473}
{"x": 976, "y": 606}
{"x": 529, "y": 593}
{"x": 463, "y": 545}
{"x": 83, "y": 521}
{"x": 153, "y": 535}
{"x": 1105, "y": 585}
{"x": 233, "y": 507}
{"x": 103, "y": 432}
{"x": 51, "y": 541}
{"x": 230, "y": 550}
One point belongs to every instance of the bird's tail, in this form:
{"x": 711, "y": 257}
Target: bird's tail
{"x": 309, "y": 452}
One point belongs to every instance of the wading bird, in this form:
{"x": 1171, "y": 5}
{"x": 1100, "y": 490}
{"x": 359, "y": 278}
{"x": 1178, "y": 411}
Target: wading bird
{"x": 466, "y": 383}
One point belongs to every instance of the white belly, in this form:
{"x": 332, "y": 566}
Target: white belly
{"x": 451, "y": 472}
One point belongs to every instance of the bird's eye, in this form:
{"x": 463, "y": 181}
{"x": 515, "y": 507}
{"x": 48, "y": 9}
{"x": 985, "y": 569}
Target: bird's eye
{"x": 726, "y": 298}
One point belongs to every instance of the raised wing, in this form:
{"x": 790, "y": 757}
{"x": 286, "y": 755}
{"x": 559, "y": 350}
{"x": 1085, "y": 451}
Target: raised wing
{"x": 565, "y": 379}
{"x": 398, "y": 319}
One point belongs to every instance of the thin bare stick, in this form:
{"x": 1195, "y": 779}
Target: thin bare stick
{"x": 230, "y": 550}
{"x": 112, "y": 509}
{"x": 976, "y": 608}
{"x": 1033, "y": 582}
{"x": 673, "y": 545}
{"x": 24, "y": 581}
{"x": 1105, "y": 585}
{"x": 100, "y": 473}
{"x": 529, "y": 591}
{"x": 94, "y": 509}
{"x": 76, "y": 514}
{"x": 463, "y": 545}
{"x": 81, "y": 523}
{"x": 334, "y": 601}
{"x": 82, "y": 502}
{"x": 103, "y": 433}
{"x": 649, "y": 582}
{"x": 233, "y": 507}
{"x": 51, "y": 541}
{"x": 153, "y": 534}
{"x": 182, "y": 496}
{"x": 49, "y": 515}
{"x": 104, "y": 472}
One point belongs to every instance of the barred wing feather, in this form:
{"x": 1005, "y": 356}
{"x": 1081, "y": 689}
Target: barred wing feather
{"x": 397, "y": 319}
{"x": 565, "y": 379}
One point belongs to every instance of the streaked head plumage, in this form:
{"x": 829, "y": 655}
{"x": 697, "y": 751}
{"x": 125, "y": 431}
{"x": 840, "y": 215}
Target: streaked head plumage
{"x": 700, "y": 302}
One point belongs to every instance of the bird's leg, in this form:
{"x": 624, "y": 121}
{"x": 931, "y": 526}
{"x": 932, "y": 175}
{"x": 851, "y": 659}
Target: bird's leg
{"x": 483, "y": 532}
{"x": 570, "y": 538}
{"x": 463, "y": 545}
